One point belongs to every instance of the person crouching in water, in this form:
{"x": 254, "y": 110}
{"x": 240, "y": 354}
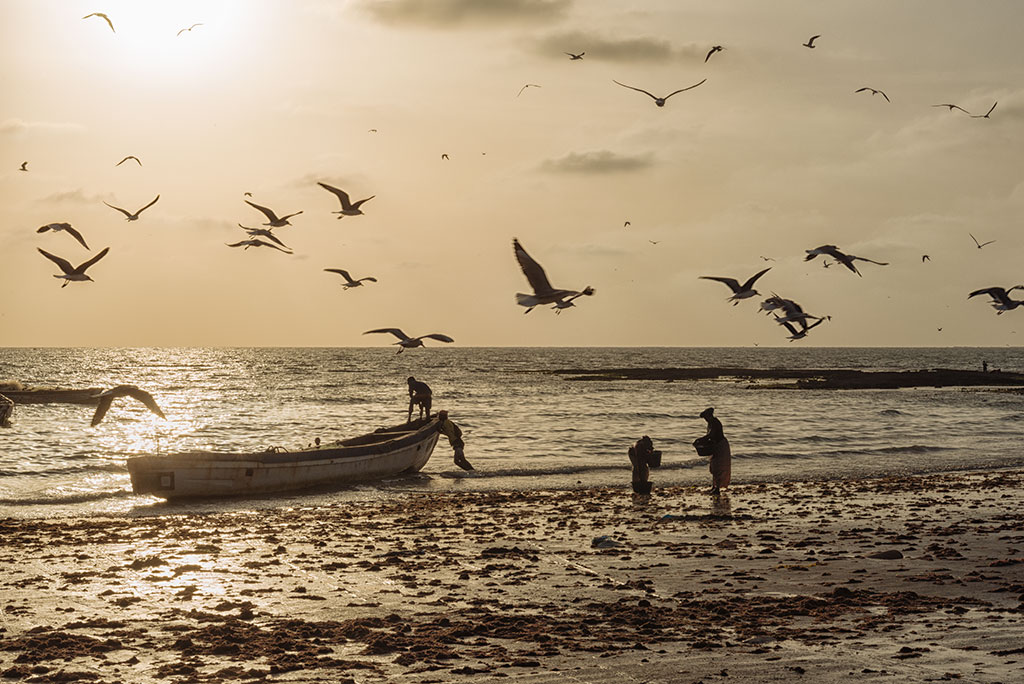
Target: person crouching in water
{"x": 720, "y": 463}
{"x": 640, "y": 456}
{"x": 454, "y": 434}
{"x": 419, "y": 395}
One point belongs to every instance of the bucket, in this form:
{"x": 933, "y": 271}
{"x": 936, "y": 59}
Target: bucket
{"x": 703, "y": 446}
{"x": 654, "y": 459}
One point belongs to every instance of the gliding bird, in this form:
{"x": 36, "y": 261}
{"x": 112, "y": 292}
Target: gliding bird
{"x": 135, "y": 216}
{"x": 405, "y": 342}
{"x": 348, "y": 279}
{"x": 713, "y": 50}
{"x": 189, "y": 29}
{"x": 985, "y": 115}
{"x": 104, "y": 17}
{"x": 810, "y": 42}
{"x": 981, "y": 244}
{"x": 573, "y": 57}
{"x": 263, "y": 232}
{"x": 528, "y": 85}
{"x": 66, "y": 227}
{"x": 543, "y": 293}
{"x": 873, "y": 92}
{"x": 660, "y": 101}
{"x": 24, "y": 166}
{"x": 795, "y": 334}
{"x": 951, "y": 107}
{"x": 739, "y": 291}
{"x": 1001, "y": 301}
{"x": 107, "y": 397}
{"x": 272, "y": 219}
{"x": 254, "y": 242}
{"x": 845, "y": 259}
{"x": 348, "y": 208}
{"x": 130, "y": 156}
{"x": 71, "y": 273}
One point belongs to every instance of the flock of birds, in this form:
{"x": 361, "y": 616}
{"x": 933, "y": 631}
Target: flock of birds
{"x": 786, "y": 312}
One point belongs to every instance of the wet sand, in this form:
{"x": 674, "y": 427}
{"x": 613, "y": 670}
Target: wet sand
{"x": 899, "y": 579}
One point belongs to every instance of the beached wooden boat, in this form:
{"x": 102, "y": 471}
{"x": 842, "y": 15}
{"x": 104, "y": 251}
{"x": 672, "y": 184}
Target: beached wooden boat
{"x": 384, "y": 453}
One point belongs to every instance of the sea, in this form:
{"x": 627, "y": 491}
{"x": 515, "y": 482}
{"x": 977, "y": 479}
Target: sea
{"x": 525, "y": 426}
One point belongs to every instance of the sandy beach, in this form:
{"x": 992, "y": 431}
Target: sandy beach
{"x": 898, "y": 579}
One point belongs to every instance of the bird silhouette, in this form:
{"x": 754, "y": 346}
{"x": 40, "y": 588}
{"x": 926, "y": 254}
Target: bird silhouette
{"x": 844, "y": 259}
{"x": 405, "y": 342}
{"x": 528, "y": 85}
{"x": 713, "y": 50}
{"x": 1001, "y": 301}
{"x": 573, "y": 57}
{"x": 873, "y": 92}
{"x": 272, "y": 220}
{"x": 952, "y": 107}
{"x": 187, "y": 29}
{"x": 739, "y": 291}
{"x": 24, "y": 166}
{"x": 263, "y": 232}
{"x": 255, "y": 242}
{"x": 981, "y": 244}
{"x": 73, "y": 273}
{"x": 349, "y": 282}
{"x": 64, "y": 227}
{"x": 106, "y": 398}
{"x": 985, "y": 115}
{"x": 348, "y": 207}
{"x": 810, "y": 42}
{"x": 130, "y": 156}
{"x": 543, "y": 293}
{"x": 660, "y": 101}
{"x": 102, "y": 16}
{"x": 130, "y": 216}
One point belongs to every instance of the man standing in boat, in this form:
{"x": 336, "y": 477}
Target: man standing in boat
{"x": 419, "y": 395}
{"x": 454, "y": 434}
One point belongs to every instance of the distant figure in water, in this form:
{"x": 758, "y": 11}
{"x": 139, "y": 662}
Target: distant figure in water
{"x": 641, "y": 455}
{"x": 6, "y": 408}
{"x": 419, "y": 395}
{"x": 984, "y": 366}
{"x": 720, "y": 463}
{"x": 454, "y": 434}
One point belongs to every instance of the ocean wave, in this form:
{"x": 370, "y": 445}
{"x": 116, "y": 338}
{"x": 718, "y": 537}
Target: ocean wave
{"x": 890, "y": 412}
{"x": 59, "y": 499}
{"x": 68, "y": 470}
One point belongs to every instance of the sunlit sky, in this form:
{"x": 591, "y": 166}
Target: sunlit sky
{"x": 773, "y": 155}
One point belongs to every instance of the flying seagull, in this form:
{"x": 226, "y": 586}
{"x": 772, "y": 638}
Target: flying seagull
{"x": 985, "y": 115}
{"x": 107, "y": 397}
{"x": 951, "y": 107}
{"x": 348, "y": 279}
{"x": 24, "y": 166}
{"x": 102, "y": 16}
{"x": 739, "y": 291}
{"x": 130, "y": 156}
{"x": 543, "y": 293}
{"x": 66, "y": 227}
{"x": 873, "y": 92}
{"x": 1001, "y": 301}
{"x": 405, "y": 342}
{"x": 660, "y": 101}
{"x": 573, "y": 57}
{"x": 263, "y": 232}
{"x": 255, "y": 242}
{"x": 444, "y": 156}
{"x": 135, "y": 216}
{"x": 272, "y": 219}
{"x": 845, "y": 259}
{"x": 713, "y": 50}
{"x": 565, "y": 303}
{"x": 925, "y": 257}
{"x": 188, "y": 29}
{"x": 73, "y": 272}
{"x": 795, "y": 334}
{"x": 981, "y": 244}
{"x": 810, "y": 42}
{"x": 528, "y": 85}
{"x": 348, "y": 208}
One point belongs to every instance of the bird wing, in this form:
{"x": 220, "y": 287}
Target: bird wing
{"x": 273, "y": 237}
{"x": 710, "y": 52}
{"x": 639, "y": 90}
{"x": 792, "y": 330}
{"x": 436, "y": 336}
{"x": 266, "y": 212}
{"x": 148, "y": 205}
{"x": 994, "y": 292}
{"x": 991, "y": 109}
{"x": 824, "y": 249}
{"x": 63, "y": 264}
{"x": 861, "y": 90}
{"x": 86, "y": 264}
{"x": 733, "y": 284}
{"x": 126, "y": 213}
{"x": 261, "y": 243}
{"x": 884, "y": 95}
{"x": 346, "y": 203}
{"x": 813, "y": 38}
{"x": 359, "y": 203}
{"x": 105, "y": 18}
{"x": 288, "y": 216}
{"x": 238, "y": 244}
{"x": 532, "y": 270}
{"x": 683, "y": 89}
{"x": 750, "y": 283}
{"x": 107, "y": 397}
{"x": 101, "y": 409}
{"x": 344, "y": 274}
{"x": 394, "y": 331}
{"x": 880, "y": 263}
{"x": 75, "y": 234}
{"x": 370, "y": 278}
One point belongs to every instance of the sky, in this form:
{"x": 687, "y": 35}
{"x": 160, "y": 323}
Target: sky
{"x": 774, "y": 154}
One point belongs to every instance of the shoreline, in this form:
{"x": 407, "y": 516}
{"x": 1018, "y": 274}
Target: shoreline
{"x": 912, "y": 578}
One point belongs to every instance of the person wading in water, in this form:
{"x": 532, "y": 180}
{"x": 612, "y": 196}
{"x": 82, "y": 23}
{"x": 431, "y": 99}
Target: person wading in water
{"x": 720, "y": 463}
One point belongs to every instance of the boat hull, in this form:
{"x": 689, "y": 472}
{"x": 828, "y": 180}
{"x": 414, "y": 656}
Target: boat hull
{"x": 388, "y": 452}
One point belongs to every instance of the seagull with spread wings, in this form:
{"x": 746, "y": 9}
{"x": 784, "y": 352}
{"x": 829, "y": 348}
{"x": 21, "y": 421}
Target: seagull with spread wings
{"x": 189, "y": 29}
{"x": 135, "y": 216}
{"x": 405, "y": 342}
{"x": 981, "y": 244}
{"x": 256, "y": 242}
{"x": 873, "y": 92}
{"x": 660, "y": 101}
{"x": 349, "y": 282}
{"x": 104, "y": 17}
{"x": 130, "y": 156}
{"x": 543, "y": 293}
{"x": 713, "y": 50}
{"x": 795, "y": 334}
{"x": 810, "y": 42}
{"x": 1001, "y": 301}
{"x": 845, "y": 259}
{"x": 739, "y": 291}
{"x": 528, "y": 85}
{"x": 107, "y": 397}
{"x": 951, "y": 107}
{"x": 73, "y": 273}
{"x": 272, "y": 220}
{"x": 263, "y": 232}
{"x": 65, "y": 227}
{"x": 573, "y": 57}
{"x": 985, "y": 115}
{"x": 23, "y": 167}
{"x": 348, "y": 207}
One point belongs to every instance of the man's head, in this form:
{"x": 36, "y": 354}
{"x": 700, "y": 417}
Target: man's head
{"x": 707, "y": 413}
{"x": 411, "y": 380}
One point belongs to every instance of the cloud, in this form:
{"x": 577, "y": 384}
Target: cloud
{"x": 599, "y": 161}
{"x": 638, "y": 49}
{"x": 70, "y": 197}
{"x": 15, "y": 126}
{"x": 445, "y": 13}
